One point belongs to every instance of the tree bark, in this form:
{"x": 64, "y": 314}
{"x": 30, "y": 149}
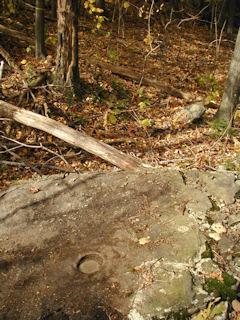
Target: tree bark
{"x": 232, "y": 91}
{"x": 70, "y": 135}
{"x": 54, "y": 9}
{"x": 231, "y": 13}
{"x": 39, "y": 30}
{"x": 67, "y": 72}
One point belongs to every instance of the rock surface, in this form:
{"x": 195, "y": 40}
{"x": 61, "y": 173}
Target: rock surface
{"x": 191, "y": 113}
{"x": 123, "y": 244}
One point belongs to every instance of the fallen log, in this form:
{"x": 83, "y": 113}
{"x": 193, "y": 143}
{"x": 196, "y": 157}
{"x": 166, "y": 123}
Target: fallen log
{"x": 16, "y": 34}
{"x": 137, "y": 76}
{"x": 9, "y": 59}
{"x": 21, "y": 36}
{"x": 70, "y": 135}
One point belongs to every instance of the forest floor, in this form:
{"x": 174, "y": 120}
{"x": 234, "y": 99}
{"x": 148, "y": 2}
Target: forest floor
{"x": 114, "y": 109}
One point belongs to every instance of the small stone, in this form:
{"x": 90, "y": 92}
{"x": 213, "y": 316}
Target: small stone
{"x": 191, "y": 113}
{"x": 218, "y": 228}
{"x": 236, "y": 305}
{"x": 144, "y": 240}
{"x": 215, "y": 236}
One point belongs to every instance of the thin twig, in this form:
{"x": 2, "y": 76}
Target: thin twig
{"x": 22, "y": 164}
{"x": 40, "y": 147}
{"x": 175, "y": 160}
{"x": 170, "y": 20}
{"x": 149, "y": 25}
{"x": 220, "y": 170}
{"x": 193, "y": 17}
{"x": 24, "y": 160}
{"x": 219, "y": 40}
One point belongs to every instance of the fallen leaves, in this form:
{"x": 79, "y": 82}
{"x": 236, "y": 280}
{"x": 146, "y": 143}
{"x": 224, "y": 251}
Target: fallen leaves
{"x": 141, "y": 120}
{"x": 214, "y": 309}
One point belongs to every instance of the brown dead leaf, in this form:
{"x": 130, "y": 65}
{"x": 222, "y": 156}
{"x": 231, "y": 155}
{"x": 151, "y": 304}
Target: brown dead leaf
{"x": 34, "y": 190}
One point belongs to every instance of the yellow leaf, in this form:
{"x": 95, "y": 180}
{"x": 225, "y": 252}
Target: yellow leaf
{"x": 99, "y": 10}
{"x": 144, "y": 240}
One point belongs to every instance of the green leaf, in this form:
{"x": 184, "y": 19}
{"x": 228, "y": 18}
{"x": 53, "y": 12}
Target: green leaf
{"x": 117, "y": 111}
{"x": 211, "y": 311}
{"x": 112, "y": 119}
{"x": 145, "y": 122}
{"x": 122, "y": 103}
{"x": 126, "y": 5}
{"x": 140, "y": 91}
{"x": 218, "y": 309}
{"x": 100, "y": 19}
{"x": 142, "y": 105}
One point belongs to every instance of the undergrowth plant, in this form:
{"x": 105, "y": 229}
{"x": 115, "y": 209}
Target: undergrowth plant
{"x": 144, "y": 99}
{"x": 90, "y": 6}
{"x": 212, "y": 87}
{"x": 221, "y": 128}
{"x": 118, "y": 102}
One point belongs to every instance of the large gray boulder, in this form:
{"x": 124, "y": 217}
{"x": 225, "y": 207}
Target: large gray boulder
{"x": 91, "y": 246}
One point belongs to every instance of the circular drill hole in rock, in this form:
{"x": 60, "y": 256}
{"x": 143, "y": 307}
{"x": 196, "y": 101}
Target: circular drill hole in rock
{"x": 90, "y": 263}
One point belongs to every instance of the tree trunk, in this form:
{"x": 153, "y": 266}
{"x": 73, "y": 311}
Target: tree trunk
{"x": 101, "y": 5}
{"x": 71, "y": 136}
{"x": 231, "y": 13}
{"x": 39, "y": 30}
{"x": 232, "y": 91}
{"x": 67, "y": 72}
{"x": 223, "y": 13}
{"x": 54, "y": 9}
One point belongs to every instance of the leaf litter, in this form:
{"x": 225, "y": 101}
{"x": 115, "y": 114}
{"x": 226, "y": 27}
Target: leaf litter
{"x": 118, "y": 111}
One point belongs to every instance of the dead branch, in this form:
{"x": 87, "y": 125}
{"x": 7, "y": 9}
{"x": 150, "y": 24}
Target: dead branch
{"x": 16, "y": 34}
{"x": 23, "y": 159}
{"x": 9, "y": 59}
{"x": 20, "y": 144}
{"x": 21, "y": 94}
{"x": 71, "y": 136}
{"x": 41, "y": 165}
{"x": 36, "y": 83}
{"x": 137, "y": 76}
{"x": 32, "y": 8}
